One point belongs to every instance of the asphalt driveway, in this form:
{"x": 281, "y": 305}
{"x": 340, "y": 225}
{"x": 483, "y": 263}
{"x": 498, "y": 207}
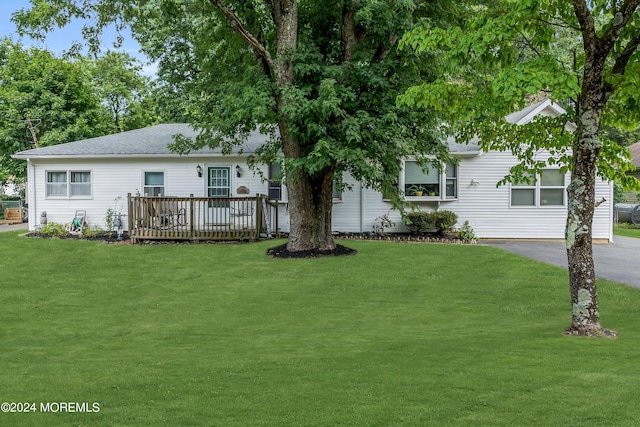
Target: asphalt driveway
{"x": 618, "y": 261}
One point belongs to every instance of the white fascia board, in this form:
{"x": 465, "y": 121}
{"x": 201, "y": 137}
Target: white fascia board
{"x": 126, "y": 156}
{"x": 533, "y": 113}
{"x": 570, "y": 126}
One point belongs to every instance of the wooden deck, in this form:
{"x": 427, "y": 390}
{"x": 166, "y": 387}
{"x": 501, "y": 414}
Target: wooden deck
{"x": 201, "y": 218}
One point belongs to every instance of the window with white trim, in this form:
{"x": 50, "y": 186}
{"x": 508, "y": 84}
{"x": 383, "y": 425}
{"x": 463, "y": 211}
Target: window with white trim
{"x": 336, "y": 194}
{"x": 80, "y": 184}
{"x": 433, "y": 183}
{"x": 153, "y": 183}
{"x": 275, "y": 181}
{"x": 547, "y": 190}
{"x": 68, "y": 184}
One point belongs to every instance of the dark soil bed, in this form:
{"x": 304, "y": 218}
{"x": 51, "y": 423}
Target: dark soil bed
{"x": 451, "y": 238}
{"x": 102, "y": 237}
{"x": 282, "y": 252}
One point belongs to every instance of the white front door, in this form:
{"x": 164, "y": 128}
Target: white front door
{"x": 219, "y": 186}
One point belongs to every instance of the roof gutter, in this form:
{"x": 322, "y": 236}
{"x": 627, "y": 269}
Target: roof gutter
{"x": 125, "y": 156}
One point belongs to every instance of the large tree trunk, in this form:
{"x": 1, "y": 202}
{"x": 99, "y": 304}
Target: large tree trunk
{"x": 310, "y": 204}
{"x": 585, "y": 318}
{"x": 310, "y": 197}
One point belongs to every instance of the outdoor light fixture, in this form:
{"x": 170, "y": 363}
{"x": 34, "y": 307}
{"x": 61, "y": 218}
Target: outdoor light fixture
{"x": 475, "y": 182}
{"x": 199, "y": 170}
{"x": 238, "y": 171}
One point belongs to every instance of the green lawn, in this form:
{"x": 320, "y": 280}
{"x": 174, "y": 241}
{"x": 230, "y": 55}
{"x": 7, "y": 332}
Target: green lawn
{"x": 221, "y": 335}
{"x": 627, "y": 230}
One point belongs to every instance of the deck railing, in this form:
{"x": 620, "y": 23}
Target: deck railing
{"x": 201, "y": 218}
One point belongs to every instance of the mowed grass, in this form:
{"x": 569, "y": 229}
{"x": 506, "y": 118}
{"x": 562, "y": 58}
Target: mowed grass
{"x": 222, "y": 335}
{"x": 627, "y": 231}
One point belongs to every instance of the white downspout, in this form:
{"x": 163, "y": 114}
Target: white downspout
{"x": 361, "y": 208}
{"x": 611, "y": 210}
{"x": 31, "y": 194}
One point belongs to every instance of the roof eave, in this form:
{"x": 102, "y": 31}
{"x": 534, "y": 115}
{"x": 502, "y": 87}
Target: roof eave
{"x": 124, "y": 156}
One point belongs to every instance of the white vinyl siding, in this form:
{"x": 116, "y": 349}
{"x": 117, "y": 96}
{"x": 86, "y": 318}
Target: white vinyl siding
{"x": 479, "y": 200}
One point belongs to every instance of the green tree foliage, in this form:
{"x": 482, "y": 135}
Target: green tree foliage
{"x": 66, "y": 99}
{"x": 581, "y": 54}
{"x": 55, "y": 94}
{"x": 125, "y": 92}
{"x": 320, "y": 77}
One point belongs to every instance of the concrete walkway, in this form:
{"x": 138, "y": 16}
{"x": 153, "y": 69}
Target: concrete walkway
{"x": 618, "y": 261}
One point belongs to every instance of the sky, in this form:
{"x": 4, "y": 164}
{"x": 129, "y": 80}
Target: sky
{"x": 61, "y": 39}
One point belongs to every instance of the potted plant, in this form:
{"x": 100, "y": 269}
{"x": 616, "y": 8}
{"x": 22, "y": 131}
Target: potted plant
{"x": 415, "y": 190}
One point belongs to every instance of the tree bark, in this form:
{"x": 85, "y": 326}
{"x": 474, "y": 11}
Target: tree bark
{"x": 585, "y": 316}
{"x": 310, "y": 203}
{"x": 310, "y": 197}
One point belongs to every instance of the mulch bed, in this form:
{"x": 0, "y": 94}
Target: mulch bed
{"x": 282, "y": 252}
{"x": 105, "y": 237}
{"x": 450, "y": 238}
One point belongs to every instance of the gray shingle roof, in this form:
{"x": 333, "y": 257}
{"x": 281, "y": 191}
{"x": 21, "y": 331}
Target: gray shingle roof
{"x": 457, "y": 148}
{"x": 150, "y": 141}
{"x": 154, "y": 141}
{"x": 515, "y": 117}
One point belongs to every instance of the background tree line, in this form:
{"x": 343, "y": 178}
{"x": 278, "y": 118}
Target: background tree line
{"x": 53, "y": 100}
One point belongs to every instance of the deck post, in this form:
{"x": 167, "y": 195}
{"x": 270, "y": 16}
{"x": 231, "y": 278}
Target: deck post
{"x": 130, "y": 215}
{"x": 274, "y": 227}
{"x": 259, "y": 214}
{"x": 191, "y": 217}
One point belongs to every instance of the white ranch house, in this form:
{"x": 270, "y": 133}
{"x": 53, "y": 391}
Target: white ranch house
{"x": 90, "y": 174}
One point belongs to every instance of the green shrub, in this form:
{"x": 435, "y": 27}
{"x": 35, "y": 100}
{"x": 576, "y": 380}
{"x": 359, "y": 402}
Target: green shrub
{"x": 443, "y": 220}
{"x": 417, "y": 221}
{"x": 92, "y": 231}
{"x": 466, "y": 232}
{"x": 381, "y": 223}
{"x": 628, "y": 225}
{"x": 54, "y": 229}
